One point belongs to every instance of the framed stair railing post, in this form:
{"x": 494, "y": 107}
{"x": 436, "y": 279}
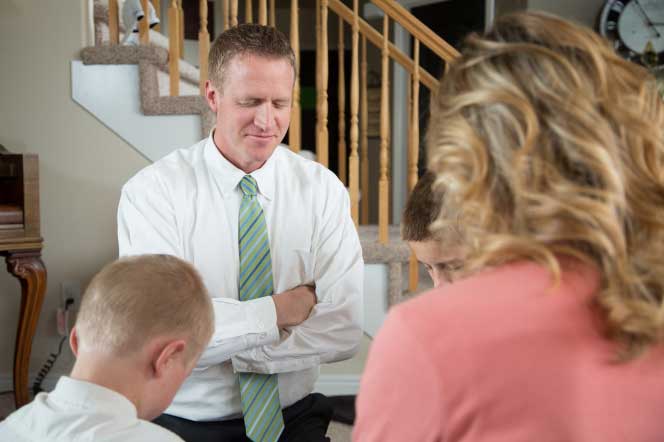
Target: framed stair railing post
{"x": 174, "y": 48}
{"x": 341, "y": 145}
{"x": 383, "y": 180}
{"x": 295, "y": 129}
{"x": 353, "y": 160}
{"x": 203, "y": 46}
{"x": 143, "y": 24}
{"x": 113, "y": 22}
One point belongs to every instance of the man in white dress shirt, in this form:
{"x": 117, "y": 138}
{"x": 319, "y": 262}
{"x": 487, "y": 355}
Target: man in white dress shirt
{"x": 194, "y": 203}
{"x": 142, "y": 325}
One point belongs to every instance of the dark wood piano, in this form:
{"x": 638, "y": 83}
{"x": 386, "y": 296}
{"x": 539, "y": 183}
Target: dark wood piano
{"x": 21, "y": 245}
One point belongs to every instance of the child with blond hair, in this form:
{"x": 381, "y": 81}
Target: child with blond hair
{"x": 143, "y": 323}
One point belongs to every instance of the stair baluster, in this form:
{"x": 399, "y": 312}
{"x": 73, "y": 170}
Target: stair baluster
{"x": 203, "y": 46}
{"x": 234, "y": 7}
{"x": 322, "y": 54}
{"x": 181, "y": 30}
{"x": 173, "y": 49}
{"x": 273, "y": 13}
{"x": 383, "y": 181}
{"x": 353, "y": 161}
{"x": 262, "y": 12}
{"x": 157, "y": 11}
{"x": 414, "y": 151}
{"x": 341, "y": 145}
{"x": 113, "y": 25}
{"x": 364, "y": 160}
{"x": 295, "y": 129}
{"x": 248, "y": 12}
{"x": 143, "y": 24}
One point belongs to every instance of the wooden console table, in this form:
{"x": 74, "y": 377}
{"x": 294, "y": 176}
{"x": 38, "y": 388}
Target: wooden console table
{"x": 21, "y": 245}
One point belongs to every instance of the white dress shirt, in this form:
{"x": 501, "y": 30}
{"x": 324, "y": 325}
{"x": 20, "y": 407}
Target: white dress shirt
{"x": 78, "y": 411}
{"x": 187, "y": 205}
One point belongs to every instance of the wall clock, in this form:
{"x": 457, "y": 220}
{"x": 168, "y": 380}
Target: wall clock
{"x": 636, "y": 29}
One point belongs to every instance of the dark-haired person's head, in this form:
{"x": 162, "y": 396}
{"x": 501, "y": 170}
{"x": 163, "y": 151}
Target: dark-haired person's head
{"x": 441, "y": 255}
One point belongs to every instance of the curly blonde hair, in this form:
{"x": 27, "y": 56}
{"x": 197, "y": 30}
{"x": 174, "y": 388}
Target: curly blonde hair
{"x": 548, "y": 144}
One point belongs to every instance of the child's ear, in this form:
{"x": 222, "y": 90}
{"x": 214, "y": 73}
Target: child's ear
{"x": 168, "y": 354}
{"x": 73, "y": 341}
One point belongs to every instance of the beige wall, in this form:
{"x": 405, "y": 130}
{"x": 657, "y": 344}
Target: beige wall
{"x": 82, "y": 163}
{"x": 585, "y": 12}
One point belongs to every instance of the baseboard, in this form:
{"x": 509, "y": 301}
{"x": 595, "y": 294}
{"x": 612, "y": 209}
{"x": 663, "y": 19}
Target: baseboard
{"x": 338, "y": 384}
{"x": 328, "y": 384}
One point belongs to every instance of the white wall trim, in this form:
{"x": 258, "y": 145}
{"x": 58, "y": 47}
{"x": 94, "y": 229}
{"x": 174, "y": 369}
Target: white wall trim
{"x": 338, "y": 384}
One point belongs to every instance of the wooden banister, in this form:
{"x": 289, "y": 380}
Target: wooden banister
{"x": 417, "y": 29}
{"x": 203, "y": 46}
{"x": 113, "y": 23}
{"x": 295, "y": 129}
{"x": 383, "y": 182}
{"x": 341, "y": 145}
{"x": 374, "y": 37}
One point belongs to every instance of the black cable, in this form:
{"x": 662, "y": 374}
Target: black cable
{"x": 36, "y": 387}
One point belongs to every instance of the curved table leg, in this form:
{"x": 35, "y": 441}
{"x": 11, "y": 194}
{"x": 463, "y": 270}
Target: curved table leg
{"x": 28, "y": 267}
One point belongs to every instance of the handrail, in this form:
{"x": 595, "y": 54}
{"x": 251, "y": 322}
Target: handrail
{"x": 420, "y": 31}
{"x": 377, "y": 39}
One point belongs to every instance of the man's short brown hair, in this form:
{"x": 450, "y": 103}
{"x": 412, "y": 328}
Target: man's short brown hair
{"x": 421, "y": 210}
{"x": 249, "y": 38}
{"x": 138, "y": 298}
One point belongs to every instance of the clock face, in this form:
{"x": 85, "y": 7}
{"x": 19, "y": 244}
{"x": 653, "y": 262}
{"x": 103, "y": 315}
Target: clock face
{"x": 636, "y": 28}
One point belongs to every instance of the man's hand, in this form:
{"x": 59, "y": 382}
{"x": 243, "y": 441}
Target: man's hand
{"x": 294, "y": 306}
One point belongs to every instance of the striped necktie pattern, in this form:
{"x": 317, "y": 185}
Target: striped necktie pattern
{"x": 261, "y": 407}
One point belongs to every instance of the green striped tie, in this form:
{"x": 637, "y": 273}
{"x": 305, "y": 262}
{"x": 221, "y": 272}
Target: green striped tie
{"x": 261, "y": 407}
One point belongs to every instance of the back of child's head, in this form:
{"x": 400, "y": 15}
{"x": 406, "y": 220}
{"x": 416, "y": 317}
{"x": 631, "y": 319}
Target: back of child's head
{"x": 421, "y": 210}
{"x": 139, "y": 298}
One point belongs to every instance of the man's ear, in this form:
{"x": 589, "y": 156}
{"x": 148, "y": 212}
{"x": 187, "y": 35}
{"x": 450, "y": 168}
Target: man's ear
{"x": 211, "y": 95}
{"x": 73, "y": 341}
{"x": 169, "y": 353}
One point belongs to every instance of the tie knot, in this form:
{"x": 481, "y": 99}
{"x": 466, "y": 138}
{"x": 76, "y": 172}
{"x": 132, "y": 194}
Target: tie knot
{"x": 248, "y": 186}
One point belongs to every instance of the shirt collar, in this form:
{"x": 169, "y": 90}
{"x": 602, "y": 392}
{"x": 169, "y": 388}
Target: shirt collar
{"x": 93, "y": 397}
{"x": 228, "y": 175}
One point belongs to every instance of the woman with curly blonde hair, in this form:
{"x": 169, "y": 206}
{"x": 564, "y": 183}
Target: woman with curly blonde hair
{"x": 549, "y": 150}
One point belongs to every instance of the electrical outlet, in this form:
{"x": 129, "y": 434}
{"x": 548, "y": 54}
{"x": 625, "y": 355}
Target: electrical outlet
{"x": 70, "y": 290}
